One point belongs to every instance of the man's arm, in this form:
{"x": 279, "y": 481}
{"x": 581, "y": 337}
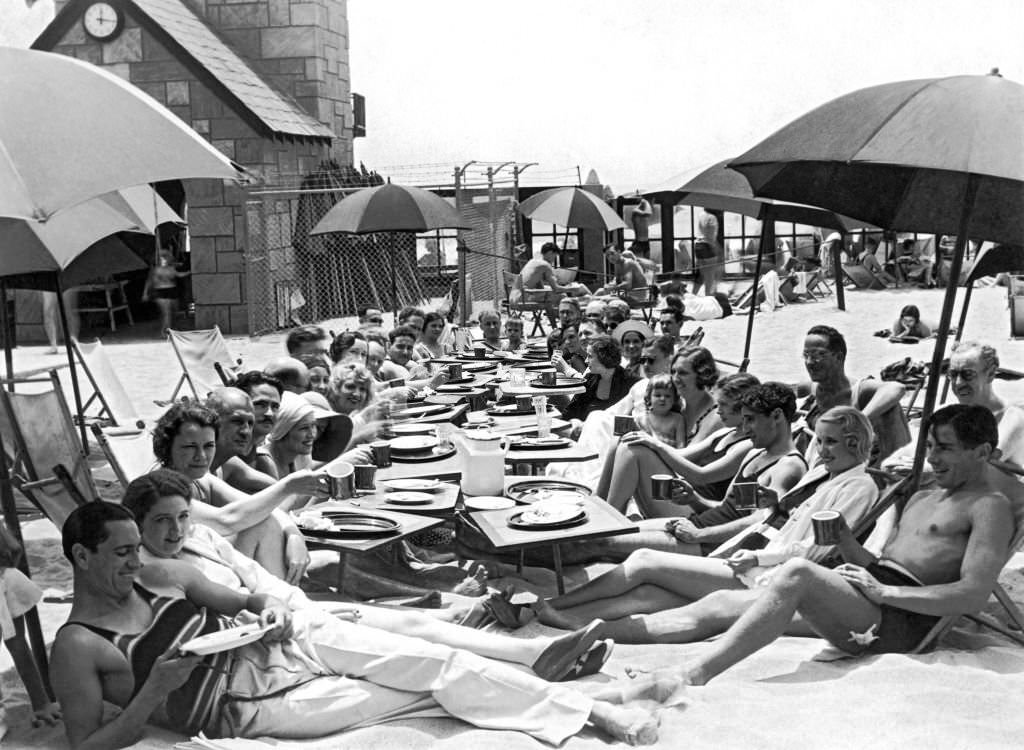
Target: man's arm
{"x": 241, "y": 476}
{"x": 232, "y": 510}
{"x": 881, "y": 396}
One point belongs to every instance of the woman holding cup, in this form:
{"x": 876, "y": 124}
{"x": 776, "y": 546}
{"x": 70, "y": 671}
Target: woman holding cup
{"x": 664, "y": 597}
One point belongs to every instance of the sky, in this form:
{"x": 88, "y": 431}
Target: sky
{"x": 638, "y": 91}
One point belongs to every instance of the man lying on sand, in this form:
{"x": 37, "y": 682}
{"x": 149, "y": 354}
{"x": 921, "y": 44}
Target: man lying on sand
{"x": 310, "y": 675}
{"x": 942, "y": 558}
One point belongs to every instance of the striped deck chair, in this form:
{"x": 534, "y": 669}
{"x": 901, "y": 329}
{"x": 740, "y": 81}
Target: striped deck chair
{"x": 199, "y": 353}
{"x": 108, "y": 393}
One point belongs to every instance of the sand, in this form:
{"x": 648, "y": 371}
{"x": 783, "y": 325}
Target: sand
{"x": 963, "y": 695}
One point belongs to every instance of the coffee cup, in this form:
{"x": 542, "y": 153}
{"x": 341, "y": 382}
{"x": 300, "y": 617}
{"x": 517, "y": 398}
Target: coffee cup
{"x": 745, "y": 495}
{"x": 547, "y": 377}
{"x": 828, "y": 526}
{"x": 524, "y": 403}
{"x": 661, "y": 486}
{"x": 623, "y": 424}
{"x": 480, "y": 352}
{"x": 364, "y": 476}
{"x": 341, "y": 480}
{"x": 455, "y": 371}
{"x": 477, "y": 401}
{"x": 381, "y": 453}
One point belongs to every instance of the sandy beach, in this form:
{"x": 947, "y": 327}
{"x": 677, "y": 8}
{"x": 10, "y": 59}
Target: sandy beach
{"x": 959, "y": 696}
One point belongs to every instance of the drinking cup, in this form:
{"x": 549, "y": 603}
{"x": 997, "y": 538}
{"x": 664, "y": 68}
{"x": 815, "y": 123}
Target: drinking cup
{"x": 517, "y": 376}
{"x": 745, "y": 495}
{"x": 477, "y": 401}
{"x": 524, "y": 403}
{"x": 341, "y": 480}
{"x": 548, "y": 377}
{"x": 455, "y": 371}
{"x": 444, "y": 437}
{"x": 381, "y": 453}
{"x": 364, "y": 474}
{"x": 480, "y": 352}
{"x": 661, "y": 486}
{"x": 623, "y": 424}
{"x": 828, "y": 525}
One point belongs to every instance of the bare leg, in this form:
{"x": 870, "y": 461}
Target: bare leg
{"x": 643, "y": 600}
{"x": 264, "y": 543}
{"x": 832, "y": 607}
{"x": 696, "y": 621}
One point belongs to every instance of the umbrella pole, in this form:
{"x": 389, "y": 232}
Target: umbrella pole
{"x": 932, "y": 387}
{"x": 959, "y": 330}
{"x": 5, "y": 327}
{"x": 837, "y": 265}
{"x": 394, "y": 294}
{"x": 71, "y": 364}
{"x": 767, "y": 236}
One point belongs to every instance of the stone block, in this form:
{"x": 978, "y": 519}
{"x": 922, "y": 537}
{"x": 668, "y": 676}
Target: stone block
{"x": 204, "y": 193}
{"x": 230, "y": 126}
{"x": 287, "y": 42}
{"x": 217, "y": 288}
{"x": 230, "y": 262}
{"x": 291, "y": 66}
{"x": 121, "y": 70}
{"x": 225, "y": 245}
{"x": 163, "y": 70}
{"x": 91, "y": 53}
{"x": 308, "y": 14}
{"x": 201, "y": 126}
{"x": 177, "y": 92}
{"x": 157, "y": 90}
{"x": 244, "y": 16}
{"x": 239, "y": 318}
{"x": 210, "y": 221}
{"x": 307, "y": 89}
{"x": 277, "y": 260}
{"x": 126, "y": 47}
{"x": 279, "y": 15}
{"x": 184, "y": 113}
{"x": 226, "y": 146}
{"x": 234, "y": 195}
{"x": 204, "y": 103}
{"x": 249, "y": 150}
{"x": 208, "y": 316}
{"x": 152, "y": 49}
{"x": 244, "y": 41}
{"x": 75, "y": 34}
{"x": 204, "y": 254}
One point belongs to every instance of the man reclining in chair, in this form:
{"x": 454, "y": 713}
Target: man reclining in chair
{"x": 942, "y": 557}
{"x": 311, "y": 674}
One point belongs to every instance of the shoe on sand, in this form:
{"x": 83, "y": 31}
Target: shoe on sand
{"x": 558, "y": 659}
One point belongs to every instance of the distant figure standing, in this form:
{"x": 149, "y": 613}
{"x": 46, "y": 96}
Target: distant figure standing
{"x": 51, "y": 316}
{"x": 640, "y": 217}
{"x": 707, "y": 257}
{"x": 162, "y": 287}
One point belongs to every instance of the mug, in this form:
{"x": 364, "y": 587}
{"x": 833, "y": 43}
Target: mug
{"x": 381, "y": 453}
{"x": 745, "y": 495}
{"x": 341, "y": 481}
{"x": 455, "y": 371}
{"x": 828, "y": 525}
{"x": 623, "y": 424}
{"x": 661, "y": 486}
{"x": 364, "y": 475}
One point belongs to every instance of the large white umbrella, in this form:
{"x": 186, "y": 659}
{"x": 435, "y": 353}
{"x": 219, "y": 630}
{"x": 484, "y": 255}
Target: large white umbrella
{"x": 70, "y": 131}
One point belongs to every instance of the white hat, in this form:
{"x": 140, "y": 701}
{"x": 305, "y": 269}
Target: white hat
{"x": 834, "y": 237}
{"x": 632, "y": 325}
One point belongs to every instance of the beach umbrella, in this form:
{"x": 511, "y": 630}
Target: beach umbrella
{"x": 723, "y": 189}
{"x": 571, "y": 207}
{"x": 941, "y": 155}
{"x": 389, "y": 209}
{"x": 70, "y": 131}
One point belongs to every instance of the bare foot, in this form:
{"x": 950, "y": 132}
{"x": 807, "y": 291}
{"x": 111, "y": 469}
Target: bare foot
{"x": 555, "y": 618}
{"x": 634, "y": 726}
{"x": 473, "y": 585}
{"x": 665, "y": 687}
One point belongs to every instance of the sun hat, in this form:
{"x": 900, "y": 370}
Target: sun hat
{"x": 632, "y": 325}
{"x": 321, "y": 408}
{"x": 294, "y": 409}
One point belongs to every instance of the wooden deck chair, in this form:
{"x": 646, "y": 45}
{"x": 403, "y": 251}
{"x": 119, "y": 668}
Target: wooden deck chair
{"x": 861, "y": 277}
{"x": 691, "y": 339}
{"x": 643, "y": 299}
{"x": 198, "y": 352}
{"x": 130, "y": 456}
{"x": 520, "y": 301}
{"x": 108, "y": 393}
{"x": 38, "y": 435}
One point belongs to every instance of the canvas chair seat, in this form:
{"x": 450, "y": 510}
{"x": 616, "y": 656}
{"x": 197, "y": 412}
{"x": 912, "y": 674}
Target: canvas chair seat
{"x": 130, "y": 456}
{"x": 108, "y": 393}
{"x": 643, "y": 299}
{"x": 200, "y": 353}
{"x": 534, "y": 302}
{"x": 861, "y": 277}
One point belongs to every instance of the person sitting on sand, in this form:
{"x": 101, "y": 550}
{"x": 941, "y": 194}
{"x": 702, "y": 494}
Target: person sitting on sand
{"x": 909, "y": 324}
{"x": 311, "y": 674}
{"x": 185, "y": 439}
{"x": 663, "y": 597}
{"x": 942, "y": 557}
{"x": 825, "y": 361}
{"x": 161, "y": 506}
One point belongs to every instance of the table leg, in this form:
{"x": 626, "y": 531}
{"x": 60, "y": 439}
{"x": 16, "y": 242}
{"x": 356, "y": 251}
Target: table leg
{"x": 556, "y": 553}
{"x": 342, "y": 559}
{"x": 521, "y": 561}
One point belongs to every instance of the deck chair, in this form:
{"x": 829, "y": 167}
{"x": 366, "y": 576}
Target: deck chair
{"x": 38, "y": 435}
{"x": 861, "y": 277}
{"x": 108, "y": 393}
{"x": 199, "y": 352}
{"x": 643, "y": 299}
{"x": 691, "y": 339}
{"x": 130, "y": 456}
{"x": 527, "y": 301}
{"x": 565, "y": 276}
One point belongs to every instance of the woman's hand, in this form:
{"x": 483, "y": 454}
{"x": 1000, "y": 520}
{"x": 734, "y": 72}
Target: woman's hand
{"x": 306, "y": 482}
{"x": 558, "y": 362}
{"x": 48, "y": 714}
{"x": 438, "y": 378}
{"x": 641, "y": 439}
{"x": 280, "y": 617}
{"x": 742, "y": 561}
{"x": 684, "y": 530}
{"x": 296, "y": 558}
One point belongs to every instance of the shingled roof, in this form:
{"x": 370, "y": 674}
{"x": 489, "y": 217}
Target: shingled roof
{"x": 176, "y": 25}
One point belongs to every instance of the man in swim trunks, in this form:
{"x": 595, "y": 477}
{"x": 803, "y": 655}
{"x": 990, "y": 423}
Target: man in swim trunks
{"x": 629, "y": 274}
{"x": 311, "y": 674}
{"x": 943, "y": 557}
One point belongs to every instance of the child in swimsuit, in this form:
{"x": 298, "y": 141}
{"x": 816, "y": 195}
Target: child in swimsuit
{"x": 663, "y": 418}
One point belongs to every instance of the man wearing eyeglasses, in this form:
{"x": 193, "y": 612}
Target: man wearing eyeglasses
{"x": 972, "y": 370}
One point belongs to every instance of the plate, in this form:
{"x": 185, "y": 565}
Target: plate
{"x": 525, "y": 522}
{"x": 448, "y": 400}
{"x": 463, "y": 379}
{"x": 408, "y": 498}
{"x": 418, "y": 411}
{"x": 539, "y": 444}
{"x": 511, "y": 410}
{"x": 412, "y": 485}
{"x": 453, "y": 389}
{"x": 560, "y": 383}
{"x": 413, "y": 443}
{"x": 488, "y": 502}
{"x": 355, "y": 525}
{"x": 424, "y": 456}
{"x": 532, "y": 490}
{"x": 225, "y": 640}
{"x": 412, "y": 429}
{"x": 478, "y": 366}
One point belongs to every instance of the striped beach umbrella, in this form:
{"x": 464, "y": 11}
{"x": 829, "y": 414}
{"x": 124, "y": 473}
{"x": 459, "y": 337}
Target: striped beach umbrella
{"x": 390, "y": 208}
{"x": 571, "y": 207}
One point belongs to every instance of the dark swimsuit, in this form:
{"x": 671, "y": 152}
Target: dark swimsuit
{"x": 900, "y": 630}
{"x": 716, "y": 450}
{"x": 192, "y": 707}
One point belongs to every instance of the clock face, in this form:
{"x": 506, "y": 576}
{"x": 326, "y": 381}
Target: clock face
{"x": 102, "y": 20}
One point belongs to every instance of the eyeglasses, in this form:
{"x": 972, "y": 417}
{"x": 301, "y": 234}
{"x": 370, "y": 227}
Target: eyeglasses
{"x": 646, "y": 360}
{"x": 965, "y": 375}
{"x": 378, "y": 321}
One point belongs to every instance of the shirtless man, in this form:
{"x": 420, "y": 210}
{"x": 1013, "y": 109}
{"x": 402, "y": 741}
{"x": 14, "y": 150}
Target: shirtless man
{"x": 629, "y": 274}
{"x": 314, "y": 674}
{"x": 942, "y": 558}
{"x": 825, "y": 362}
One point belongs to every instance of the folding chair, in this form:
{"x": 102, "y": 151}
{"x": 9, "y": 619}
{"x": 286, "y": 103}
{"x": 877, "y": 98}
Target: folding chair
{"x": 130, "y": 456}
{"x": 520, "y": 303}
{"x": 199, "y": 352}
{"x": 643, "y": 299}
{"x": 115, "y": 407}
{"x": 861, "y": 277}
{"x": 38, "y": 435}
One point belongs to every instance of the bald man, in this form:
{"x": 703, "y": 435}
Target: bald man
{"x": 234, "y": 440}
{"x": 294, "y": 375}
